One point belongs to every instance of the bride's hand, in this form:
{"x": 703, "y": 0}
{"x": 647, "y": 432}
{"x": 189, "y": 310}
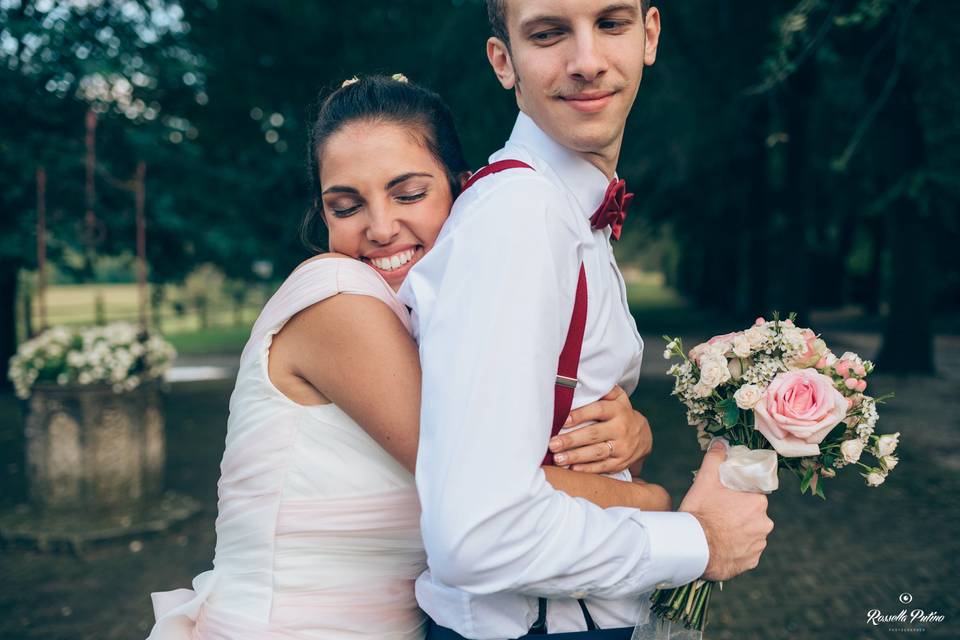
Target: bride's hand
{"x": 619, "y": 439}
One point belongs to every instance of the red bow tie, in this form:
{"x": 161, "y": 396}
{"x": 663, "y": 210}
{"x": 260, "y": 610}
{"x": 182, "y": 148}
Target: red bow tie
{"x": 613, "y": 209}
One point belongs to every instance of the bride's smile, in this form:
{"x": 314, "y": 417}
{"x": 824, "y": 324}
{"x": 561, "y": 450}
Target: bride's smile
{"x": 389, "y": 213}
{"x": 393, "y": 261}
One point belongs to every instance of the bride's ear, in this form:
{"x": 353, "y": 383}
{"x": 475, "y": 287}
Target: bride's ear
{"x": 464, "y": 177}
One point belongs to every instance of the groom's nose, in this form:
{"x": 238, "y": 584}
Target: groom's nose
{"x": 587, "y": 61}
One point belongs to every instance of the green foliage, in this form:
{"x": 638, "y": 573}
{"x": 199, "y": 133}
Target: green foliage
{"x": 807, "y": 478}
{"x": 131, "y": 63}
{"x": 731, "y": 412}
{"x": 764, "y": 130}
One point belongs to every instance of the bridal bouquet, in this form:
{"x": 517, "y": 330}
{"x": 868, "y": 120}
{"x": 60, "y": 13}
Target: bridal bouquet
{"x": 120, "y": 355}
{"x": 781, "y": 400}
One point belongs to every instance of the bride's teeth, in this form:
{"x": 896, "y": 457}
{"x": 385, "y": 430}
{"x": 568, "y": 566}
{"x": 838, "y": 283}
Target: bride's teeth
{"x": 394, "y": 262}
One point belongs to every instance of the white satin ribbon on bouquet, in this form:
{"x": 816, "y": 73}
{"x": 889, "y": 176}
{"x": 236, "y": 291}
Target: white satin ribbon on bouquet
{"x": 745, "y": 469}
{"x": 749, "y": 470}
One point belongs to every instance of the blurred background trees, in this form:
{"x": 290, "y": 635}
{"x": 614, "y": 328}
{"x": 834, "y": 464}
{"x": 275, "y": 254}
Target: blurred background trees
{"x": 823, "y": 131}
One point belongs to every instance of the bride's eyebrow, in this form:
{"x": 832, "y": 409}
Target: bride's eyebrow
{"x": 403, "y": 178}
{"x": 340, "y": 189}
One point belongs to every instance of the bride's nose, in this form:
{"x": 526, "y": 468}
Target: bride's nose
{"x": 384, "y": 227}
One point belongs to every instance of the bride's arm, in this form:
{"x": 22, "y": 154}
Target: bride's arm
{"x": 354, "y": 351}
{"x": 608, "y": 492}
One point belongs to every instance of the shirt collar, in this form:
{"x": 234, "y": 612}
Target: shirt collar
{"x": 586, "y": 182}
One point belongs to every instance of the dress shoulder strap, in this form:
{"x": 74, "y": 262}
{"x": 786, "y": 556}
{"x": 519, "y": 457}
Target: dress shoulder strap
{"x": 315, "y": 281}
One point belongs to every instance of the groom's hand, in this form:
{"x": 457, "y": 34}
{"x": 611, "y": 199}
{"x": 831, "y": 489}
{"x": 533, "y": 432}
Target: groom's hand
{"x": 735, "y": 522}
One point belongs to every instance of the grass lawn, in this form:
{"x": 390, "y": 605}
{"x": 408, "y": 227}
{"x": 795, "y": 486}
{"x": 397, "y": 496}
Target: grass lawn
{"x": 78, "y": 305}
{"x": 657, "y": 308}
{"x": 226, "y": 332}
{"x": 217, "y": 340}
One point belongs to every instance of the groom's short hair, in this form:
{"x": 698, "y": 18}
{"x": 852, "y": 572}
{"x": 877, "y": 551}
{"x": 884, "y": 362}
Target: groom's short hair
{"x": 497, "y": 14}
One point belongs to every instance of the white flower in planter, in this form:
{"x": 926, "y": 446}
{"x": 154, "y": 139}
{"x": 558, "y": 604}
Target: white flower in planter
{"x": 91, "y": 356}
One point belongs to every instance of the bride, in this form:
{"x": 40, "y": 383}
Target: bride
{"x": 317, "y": 526}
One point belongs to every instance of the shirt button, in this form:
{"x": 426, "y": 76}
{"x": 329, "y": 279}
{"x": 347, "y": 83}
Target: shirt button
{"x": 579, "y": 595}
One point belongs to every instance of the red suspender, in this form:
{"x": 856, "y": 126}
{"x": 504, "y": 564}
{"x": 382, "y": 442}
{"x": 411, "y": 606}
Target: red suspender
{"x": 496, "y": 167}
{"x": 569, "y": 362}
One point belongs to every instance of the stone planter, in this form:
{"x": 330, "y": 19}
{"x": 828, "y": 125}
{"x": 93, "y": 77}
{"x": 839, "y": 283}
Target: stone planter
{"x": 95, "y": 451}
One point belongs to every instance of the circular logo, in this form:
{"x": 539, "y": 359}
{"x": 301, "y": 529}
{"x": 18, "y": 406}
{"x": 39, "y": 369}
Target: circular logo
{"x": 906, "y": 598}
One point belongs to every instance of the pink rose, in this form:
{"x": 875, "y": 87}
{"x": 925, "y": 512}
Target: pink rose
{"x": 798, "y": 410}
{"x": 726, "y": 339}
{"x": 816, "y": 348}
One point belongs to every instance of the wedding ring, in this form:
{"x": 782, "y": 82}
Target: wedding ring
{"x": 610, "y": 444}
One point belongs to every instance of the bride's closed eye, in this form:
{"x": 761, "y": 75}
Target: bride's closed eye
{"x": 342, "y": 208}
{"x": 409, "y": 198}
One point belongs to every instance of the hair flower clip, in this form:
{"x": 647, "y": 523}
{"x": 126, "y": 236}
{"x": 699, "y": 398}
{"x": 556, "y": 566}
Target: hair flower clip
{"x": 399, "y": 77}
{"x": 350, "y": 81}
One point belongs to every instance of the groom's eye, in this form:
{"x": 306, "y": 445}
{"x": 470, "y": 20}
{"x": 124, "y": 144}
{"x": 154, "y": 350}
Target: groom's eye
{"x": 546, "y": 37}
{"x": 613, "y": 26}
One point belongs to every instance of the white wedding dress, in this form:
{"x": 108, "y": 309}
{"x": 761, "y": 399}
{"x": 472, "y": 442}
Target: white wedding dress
{"x": 318, "y": 527}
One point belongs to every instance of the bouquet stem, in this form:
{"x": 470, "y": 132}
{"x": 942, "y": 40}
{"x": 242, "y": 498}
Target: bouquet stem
{"x": 686, "y": 605}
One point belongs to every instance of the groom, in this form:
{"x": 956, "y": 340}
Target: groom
{"x": 492, "y": 303}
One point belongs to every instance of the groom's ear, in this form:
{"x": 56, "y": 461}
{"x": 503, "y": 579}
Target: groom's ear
{"x": 498, "y": 53}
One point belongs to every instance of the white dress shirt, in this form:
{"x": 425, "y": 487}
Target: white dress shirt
{"x": 491, "y": 305}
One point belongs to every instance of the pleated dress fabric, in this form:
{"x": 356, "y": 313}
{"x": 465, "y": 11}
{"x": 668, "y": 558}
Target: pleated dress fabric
{"x": 318, "y": 527}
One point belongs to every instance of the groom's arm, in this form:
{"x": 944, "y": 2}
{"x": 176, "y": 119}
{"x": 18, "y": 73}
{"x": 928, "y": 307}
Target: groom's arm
{"x": 489, "y": 349}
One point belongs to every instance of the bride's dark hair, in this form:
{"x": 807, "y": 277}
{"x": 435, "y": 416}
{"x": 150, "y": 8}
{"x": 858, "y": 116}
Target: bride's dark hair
{"x": 378, "y": 99}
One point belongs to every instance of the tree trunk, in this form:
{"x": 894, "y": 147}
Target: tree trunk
{"x": 873, "y": 286}
{"x": 238, "y": 310}
{"x": 157, "y": 296}
{"x": 8, "y": 316}
{"x": 203, "y": 313}
{"x": 795, "y": 267}
{"x": 756, "y": 223}
{"x": 908, "y": 339}
{"x": 26, "y": 309}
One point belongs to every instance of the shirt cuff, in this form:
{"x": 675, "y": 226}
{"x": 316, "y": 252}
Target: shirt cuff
{"x": 678, "y": 547}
